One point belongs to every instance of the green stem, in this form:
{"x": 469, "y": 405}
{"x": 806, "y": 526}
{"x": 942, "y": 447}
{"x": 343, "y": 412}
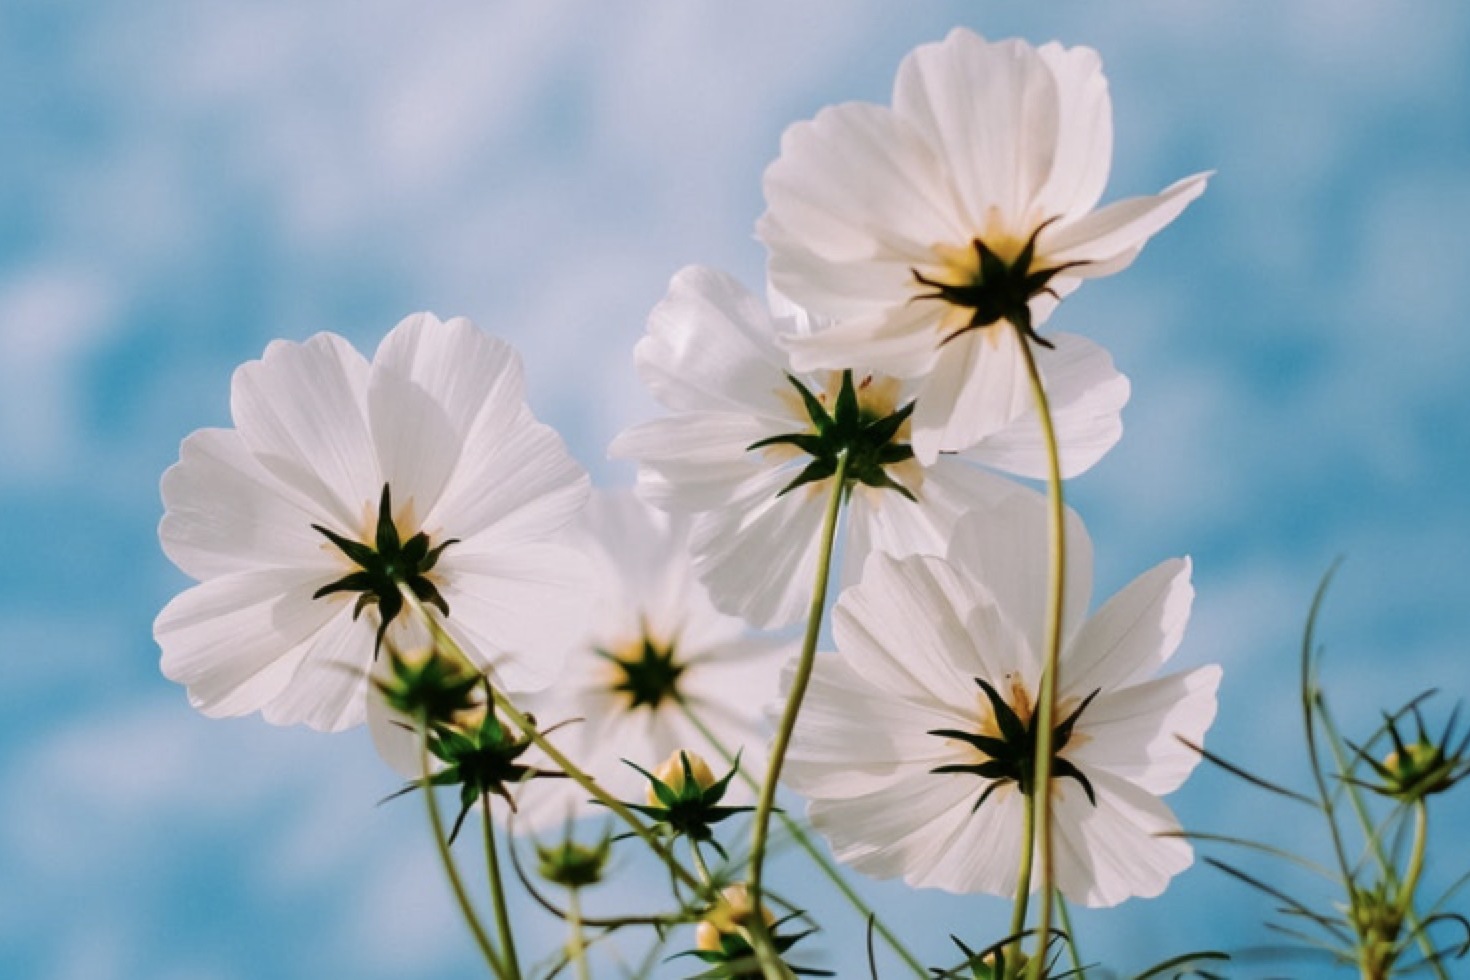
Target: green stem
{"x": 577, "y": 948}
{"x": 1047, "y": 696}
{"x": 769, "y": 960}
{"x": 1065, "y": 918}
{"x": 528, "y": 728}
{"x": 1416, "y": 858}
{"x": 805, "y": 842}
{"x": 482, "y": 939}
{"x": 497, "y": 892}
{"x": 1023, "y": 875}
{"x": 699, "y": 864}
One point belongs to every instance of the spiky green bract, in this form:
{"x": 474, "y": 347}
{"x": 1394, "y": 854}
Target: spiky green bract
{"x": 572, "y": 864}
{"x": 1011, "y": 757}
{"x": 480, "y": 756}
{"x": 1421, "y": 767}
{"x": 384, "y": 566}
{"x": 649, "y": 676}
{"x": 736, "y": 960}
{"x": 427, "y": 687}
{"x": 689, "y": 809}
{"x": 1000, "y": 290}
{"x": 869, "y": 441}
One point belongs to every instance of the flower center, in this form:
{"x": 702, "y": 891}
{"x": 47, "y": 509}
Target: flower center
{"x": 385, "y": 566}
{"x": 860, "y": 428}
{"x": 648, "y": 673}
{"x": 988, "y": 288}
{"x": 1006, "y": 742}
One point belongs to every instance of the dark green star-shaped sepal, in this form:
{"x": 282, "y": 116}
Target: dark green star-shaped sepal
{"x": 482, "y": 757}
{"x": 868, "y": 441}
{"x": 428, "y": 686}
{"x": 385, "y": 566}
{"x": 692, "y": 807}
{"x": 1419, "y": 767}
{"x": 1011, "y": 757}
{"x": 1000, "y": 290}
{"x": 650, "y": 676}
{"x": 736, "y": 960}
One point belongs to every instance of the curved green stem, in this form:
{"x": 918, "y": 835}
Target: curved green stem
{"x": 528, "y": 728}
{"x": 497, "y": 892}
{"x": 699, "y": 864}
{"x": 482, "y": 938}
{"x": 813, "y": 851}
{"x": 1416, "y": 858}
{"x": 1065, "y": 918}
{"x": 576, "y": 946}
{"x": 1023, "y": 874}
{"x": 1047, "y": 696}
{"x": 770, "y": 961}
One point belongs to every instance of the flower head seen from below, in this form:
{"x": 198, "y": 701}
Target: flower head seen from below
{"x": 750, "y": 449}
{"x": 940, "y": 232}
{"x": 348, "y": 489}
{"x": 915, "y": 747}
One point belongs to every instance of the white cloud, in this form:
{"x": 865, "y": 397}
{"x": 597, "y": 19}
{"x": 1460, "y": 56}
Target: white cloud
{"x": 51, "y": 316}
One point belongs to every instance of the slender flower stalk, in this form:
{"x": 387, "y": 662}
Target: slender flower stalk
{"x": 819, "y": 857}
{"x": 461, "y": 897}
{"x": 1416, "y": 859}
{"x": 1075, "y": 955}
{"x": 1047, "y": 697}
{"x": 1023, "y": 875}
{"x": 770, "y": 962}
{"x": 497, "y": 892}
{"x": 576, "y": 945}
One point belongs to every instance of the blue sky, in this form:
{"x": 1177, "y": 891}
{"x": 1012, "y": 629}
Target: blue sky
{"x": 187, "y": 179}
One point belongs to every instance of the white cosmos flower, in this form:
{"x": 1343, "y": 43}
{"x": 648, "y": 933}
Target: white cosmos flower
{"x": 918, "y": 636}
{"x": 655, "y": 656}
{"x": 264, "y": 516}
{"x": 712, "y": 356}
{"x": 922, "y": 228}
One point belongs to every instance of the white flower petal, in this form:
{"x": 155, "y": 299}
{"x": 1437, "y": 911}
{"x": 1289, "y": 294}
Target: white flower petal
{"x": 920, "y": 630}
{"x": 1131, "y": 636}
{"x": 431, "y": 384}
{"x": 521, "y": 608}
{"x": 854, "y": 736}
{"x": 1118, "y": 229}
{"x": 901, "y": 342}
{"x": 1087, "y": 395}
{"x": 758, "y": 556}
{"x": 302, "y": 412}
{"x": 1006, "y": 547}
{"x": 1084, "y": 132}
{"x": 329, "y": 690}
{"x": 514, "y": 483}
{"x": 978, "y": 387}
{"x": 711, "y": 346}
{"x": 984, "y": 852}
{"x": 856, "y": 184}
{"x": 1135, "y": 733}
{"x": 695, "y": 461}
{"x": 224, "y": 512}
{"x": 991, "y": 109}
{"x": 898, "y": 830}
{"x": 1119, "y": 848}
{"x": 235, "y": 642}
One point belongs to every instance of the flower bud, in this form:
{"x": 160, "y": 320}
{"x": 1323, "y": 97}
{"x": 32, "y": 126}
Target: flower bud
{"x": 731, "y": 912}
{"x": 424, "y": 683}
{"x": 571, "y": 864}
{"x": 670, "y": 772}
{"x": 1419, "y": 770}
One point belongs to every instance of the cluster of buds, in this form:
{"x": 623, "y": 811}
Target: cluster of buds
{"x": 722, "y": 938}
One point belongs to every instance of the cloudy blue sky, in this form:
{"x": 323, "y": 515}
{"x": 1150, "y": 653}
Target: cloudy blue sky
{"x": 184, "y": 180}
